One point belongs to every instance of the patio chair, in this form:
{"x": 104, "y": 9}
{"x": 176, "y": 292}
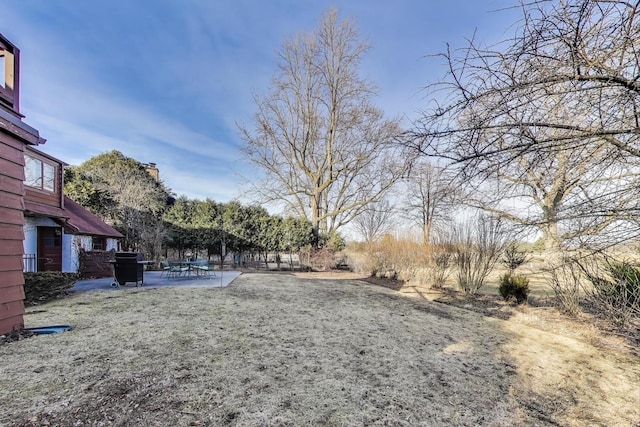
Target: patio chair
{"x": 165, "y": 267}
{"x": 202, "y": 268}
{"x": 176, "y": 269}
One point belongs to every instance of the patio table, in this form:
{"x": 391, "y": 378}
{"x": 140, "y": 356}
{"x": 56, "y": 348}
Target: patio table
{"x": 179, "y": 268}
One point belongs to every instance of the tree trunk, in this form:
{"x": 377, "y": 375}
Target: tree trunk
{"x": 315, "y": 215}
{"x": 552, "y": 247}
{"x": 426, "y": 232}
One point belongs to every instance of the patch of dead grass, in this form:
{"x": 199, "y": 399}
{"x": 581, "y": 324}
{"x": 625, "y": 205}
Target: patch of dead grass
{"x": 276, "y": 349}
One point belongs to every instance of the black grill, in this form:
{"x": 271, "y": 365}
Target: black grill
{"x": 128, "y": 267}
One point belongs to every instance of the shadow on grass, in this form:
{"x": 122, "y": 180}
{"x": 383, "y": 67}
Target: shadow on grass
{"x": 282, "y": 350}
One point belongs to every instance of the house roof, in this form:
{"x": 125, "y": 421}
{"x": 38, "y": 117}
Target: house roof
{"x": 46, "y": 156}
{"x": 38, "y": 209}
{"x": 81, "y": 221}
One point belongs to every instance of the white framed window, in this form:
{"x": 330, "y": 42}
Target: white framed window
{"x": 39, "y": 174}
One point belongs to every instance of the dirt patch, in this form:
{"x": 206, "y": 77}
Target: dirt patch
{"x": 282, "y": 349}
{"x": 330, "y": 275}
{"x": 15, "y": 335}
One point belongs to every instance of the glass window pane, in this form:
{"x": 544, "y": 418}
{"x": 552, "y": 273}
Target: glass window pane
{"x": 32, "y": 172}
{"x": 98, "y": 243}
{"x": 2, "y": 65}
{"x": 49, "y": 177}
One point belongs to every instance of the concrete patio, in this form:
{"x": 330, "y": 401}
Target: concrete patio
{"x": 155, "y": 279}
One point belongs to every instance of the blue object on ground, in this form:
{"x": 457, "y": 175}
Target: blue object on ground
{"x": 55, "y": 329}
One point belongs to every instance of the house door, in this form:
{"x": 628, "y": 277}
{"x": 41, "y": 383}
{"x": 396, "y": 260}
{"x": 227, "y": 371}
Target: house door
{"x": 49, "y": 249}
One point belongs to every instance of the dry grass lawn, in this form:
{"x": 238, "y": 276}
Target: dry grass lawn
{"x": 285, "y": 350}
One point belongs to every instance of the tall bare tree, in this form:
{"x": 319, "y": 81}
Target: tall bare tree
{"x": 431, "y": 197}
{"x": 326, "y": 150}
{"x": 563, "y": 94}
{"x": 560, "y": 191}
{"x": 375, "y": 220}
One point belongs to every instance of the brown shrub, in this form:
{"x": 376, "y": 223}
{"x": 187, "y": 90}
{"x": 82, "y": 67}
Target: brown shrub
{"x": 318, "y": 259}
{"x": 403, "y": 259}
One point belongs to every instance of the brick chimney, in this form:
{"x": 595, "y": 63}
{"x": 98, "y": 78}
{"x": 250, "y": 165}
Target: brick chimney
{"x": 153, "y": 171}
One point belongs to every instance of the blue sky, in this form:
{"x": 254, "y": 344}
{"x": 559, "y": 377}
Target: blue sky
{"x": 166, "y": 81}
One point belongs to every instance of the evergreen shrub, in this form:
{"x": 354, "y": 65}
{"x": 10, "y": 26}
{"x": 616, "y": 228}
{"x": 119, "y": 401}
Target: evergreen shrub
{"x": 514, "y": 287}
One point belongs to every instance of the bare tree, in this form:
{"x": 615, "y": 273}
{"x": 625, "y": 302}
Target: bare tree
{"x": 431, "y": 197}
{"x": 327, "y": 151}
{"x": 374, "y": 221}
{"x": 561, "y": 193}
{"x": 550, "y": 115}
{"x": 479, "y": 242}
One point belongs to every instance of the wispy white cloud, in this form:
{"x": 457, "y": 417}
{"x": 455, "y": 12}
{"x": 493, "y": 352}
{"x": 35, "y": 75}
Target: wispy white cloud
{"x": 167, "y": 81}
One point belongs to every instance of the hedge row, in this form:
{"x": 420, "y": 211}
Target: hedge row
{"x": 47, "y": 285}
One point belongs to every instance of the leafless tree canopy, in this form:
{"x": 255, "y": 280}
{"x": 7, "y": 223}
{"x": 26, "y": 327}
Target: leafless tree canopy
{"x": 581, "y": 54}
{"x": 375, "y": 220}
{"x": 568, "y": 195}
{"x": 431, "y": 197}
{"x": 327, "y": 151}
{"x": 550, "y": 116}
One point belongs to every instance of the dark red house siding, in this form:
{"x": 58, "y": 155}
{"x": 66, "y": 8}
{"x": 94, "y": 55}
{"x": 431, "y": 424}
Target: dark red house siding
{"x": 11, "y": 222}
{"x": 14, "y": 136}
